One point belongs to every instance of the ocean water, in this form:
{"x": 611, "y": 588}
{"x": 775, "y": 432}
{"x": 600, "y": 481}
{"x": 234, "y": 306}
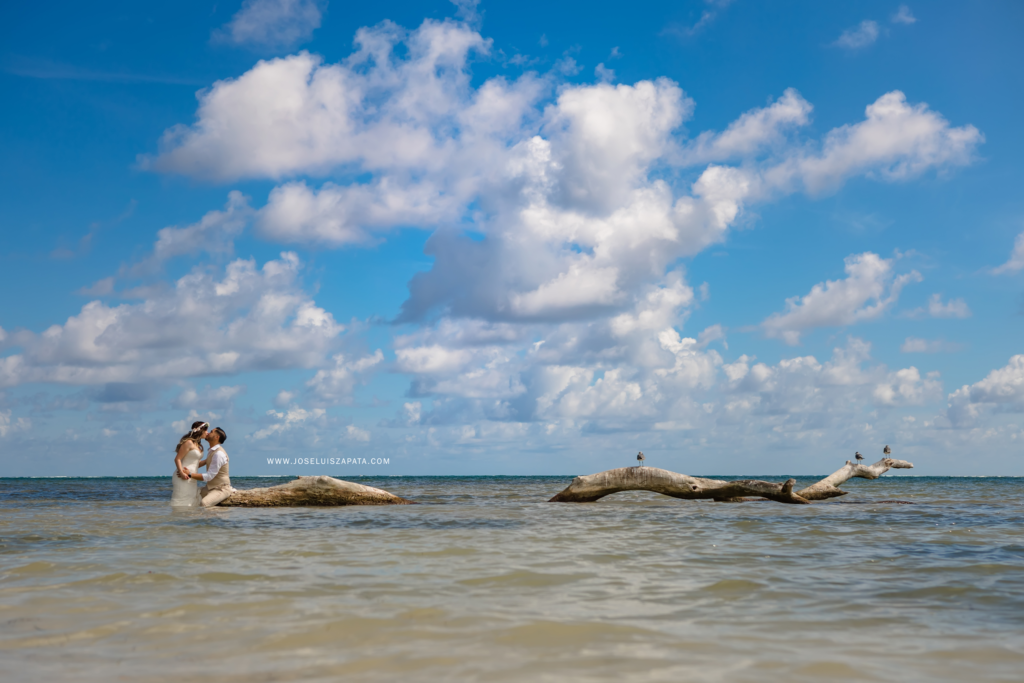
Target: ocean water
{"x": 100, "y": 580}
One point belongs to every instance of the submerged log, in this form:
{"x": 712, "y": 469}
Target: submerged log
{"x": 586, "y": 489}
{"x": 313, "y": 491}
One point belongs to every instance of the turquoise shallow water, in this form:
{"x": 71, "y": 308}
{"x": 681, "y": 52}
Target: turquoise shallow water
{"x": 485, "y": 581}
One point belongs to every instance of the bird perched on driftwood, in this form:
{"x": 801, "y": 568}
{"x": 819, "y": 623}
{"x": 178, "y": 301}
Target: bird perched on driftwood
{"x": 858, "y": 456}
{"x": 640, "y": 459}
{"x": 886, "y": 451}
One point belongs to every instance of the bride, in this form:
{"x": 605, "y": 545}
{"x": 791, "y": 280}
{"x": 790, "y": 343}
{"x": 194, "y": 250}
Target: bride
{"x": 185, "y": 491}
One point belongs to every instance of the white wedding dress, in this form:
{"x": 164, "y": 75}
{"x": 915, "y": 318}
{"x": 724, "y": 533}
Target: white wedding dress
{"x": 185, "y": 493}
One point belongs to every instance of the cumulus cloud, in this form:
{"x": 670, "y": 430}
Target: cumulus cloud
{"x": 805, "y": 391}
{"x": 559, "y": 215}
{"x": 10, "y": 425}
{"x": 1003, "y": 387}
{"x": 869, "y": 290}
{"x": 570, "y": 213}
{"x": 102, "y": 287}
{"x": 751, "y": 132}
{"x": 339, "y": 215}
{"x": 603, "y": 73}
{"x": 896, "y": 141}
{"x": 907, "y": 387}
{"x": 247, "y": 318}
{"x": 402, "y": 102}
{"x": 707, "y": 17}
{"x": 335, "y": 384}
{"x": 185, "y": 425}
{"x": 917, "y": 345}
{"x": 954, "y": 308}
{"x": 214, "y": 233}
{"x": 573, "y": 383}
{"x": 904, "y": 16}
{"x": 937, "y": 308}
{"x": 222, "y": 397}
{"x": 287, "y": 420}
{"x": 356, "y": 434}
{"x": 1016, "y": 262}
{"x": 272, "y": 23}
{"x": 862, "y": 35}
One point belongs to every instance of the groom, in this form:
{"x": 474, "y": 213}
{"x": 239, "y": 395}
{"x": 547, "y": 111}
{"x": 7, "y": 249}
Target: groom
{"x": 218, "y": 483}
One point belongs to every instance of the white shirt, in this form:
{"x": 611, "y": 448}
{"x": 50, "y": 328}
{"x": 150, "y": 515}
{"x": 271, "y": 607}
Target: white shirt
{"x": 217, "y": 457}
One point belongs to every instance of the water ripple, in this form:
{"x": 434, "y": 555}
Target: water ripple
{"x": 484, "y": 580}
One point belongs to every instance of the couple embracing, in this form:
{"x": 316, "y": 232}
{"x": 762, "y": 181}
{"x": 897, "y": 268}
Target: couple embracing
{"x": 188, "y": 459}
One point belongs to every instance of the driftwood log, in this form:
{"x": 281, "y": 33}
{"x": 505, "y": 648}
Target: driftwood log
{"x": 313, "y": 491}
{"x": 593, "y": 487}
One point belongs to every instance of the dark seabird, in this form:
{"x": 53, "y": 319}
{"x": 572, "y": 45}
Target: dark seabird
{"x": 640, "y": 459}
{"x": 858, "y": 456}
{"x": 887, "y": 451}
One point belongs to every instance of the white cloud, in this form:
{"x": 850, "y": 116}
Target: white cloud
{"x": 1001, "y": 387}
{"x": 214, "y": 233}
{"x": 272, "y": 23}
{"x": 102, "y": 287}
{"x": 248, "y": 318}
{"x": 210, "y": 398}
{"x": 904, "y": 16}
{"x": 917, "y": 345}
{"x": 863, "y": 35}
{"x": 562, "y": 306}
{"x": 335, "y": 384}
{"x": 413, "y": 412}
{"x": 869, "y": 290}
{"x": 468, "y": 10}
{"x": 378, "y": 110}
{"x": 706, "y": 18}
{"x": 954, "y": 308}
{"x": 751, "y": 132}
{"x": 603, "y": 73}
{"x": 356, "y": 434}
{"x": 337, "y": 215}
{"x": 579, "y": 213}
{"x": 805, "y": 393}
{"x": 1016, "y": 262}
{"x": 896, "y": 141}
{"x": 9, "y": 425}
{"x": 183, "y": 426}
{"x": 906, "y": 387}
{"x": 573, "y": 383}
{"x": 572, "y": 213}
{"x": 287, "y": 420}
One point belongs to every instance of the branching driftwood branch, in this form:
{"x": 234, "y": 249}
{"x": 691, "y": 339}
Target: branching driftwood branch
{"x": 313, "y": 491}
{"x": 593, "y": 487}
{"x": 828, "y": 487}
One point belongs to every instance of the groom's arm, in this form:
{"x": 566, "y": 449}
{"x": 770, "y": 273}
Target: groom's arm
{"x": 216, "y": 461}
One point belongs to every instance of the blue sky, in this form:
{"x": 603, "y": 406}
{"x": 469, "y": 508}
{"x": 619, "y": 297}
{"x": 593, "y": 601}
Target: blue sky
{"x": 745, "y": 238}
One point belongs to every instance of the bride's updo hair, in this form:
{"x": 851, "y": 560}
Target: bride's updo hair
{"x": 198, "y": 427}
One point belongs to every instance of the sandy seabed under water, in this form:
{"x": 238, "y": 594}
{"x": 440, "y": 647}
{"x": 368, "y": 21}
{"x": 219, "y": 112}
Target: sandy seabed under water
{"x": 100, "y": 580}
